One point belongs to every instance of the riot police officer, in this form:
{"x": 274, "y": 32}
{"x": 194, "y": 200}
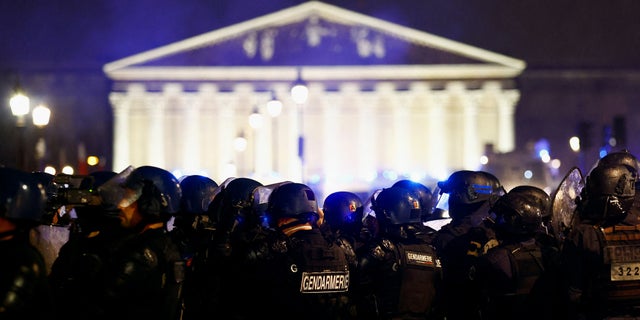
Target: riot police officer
{"x": 146, "y": 272}
{"x": 469, "y": 234}
{"x": 600, "y": 252}
{"x": 510, "y": 276}
{"x": 238, "y": 236}
{"x": 343, "y": 222}
{"x": 191, "y": 232}
{"x": 305, "y": 276}
{"x": 77, "y": 274}
{"x": 427, "y": 203}
{"x": 24, "y": 288}
{"x": 398, "y": 271}
{"x": 628, "y": 159}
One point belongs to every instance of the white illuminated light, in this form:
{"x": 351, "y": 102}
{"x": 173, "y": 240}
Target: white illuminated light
{"x": 299, "y": 93}
{"x": 50, "y": 170}
{"x": 67, "y": 170}
{"x": 41, "y": 115}
{"x": 255, "y": 119}
{"x": 574, "y": 143}
{"x": 240, "y": 143}
{"x": 544, "y": 156}
{"x": 484, "y": 160}
{"x": 528, "y": 174}
{"x": 555, "y": 163}
{"x": 19, "y": 104}
{"x": 274, "y": 107}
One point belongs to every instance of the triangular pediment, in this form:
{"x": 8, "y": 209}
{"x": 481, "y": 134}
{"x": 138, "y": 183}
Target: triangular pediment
{"x": 314, "y": 34}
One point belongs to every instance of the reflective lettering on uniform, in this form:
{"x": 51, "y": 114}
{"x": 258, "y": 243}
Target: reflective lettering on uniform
{"x": 420, "y": 258}
{"x": 324, "y": 282}
{"x": 627, "y": 253}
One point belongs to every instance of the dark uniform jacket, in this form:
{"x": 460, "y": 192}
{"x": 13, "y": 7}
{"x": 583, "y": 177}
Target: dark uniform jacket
{"x": 601, "y": 264}
{"x": 24, "y": 288}
{"x": 398, "y": 278}
{"x": 144, "y": 278}
{"x": 306, "y": 277}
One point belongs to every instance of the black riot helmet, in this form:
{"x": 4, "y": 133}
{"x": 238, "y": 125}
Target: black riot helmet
{"x": 232, "y": 203}
{"x": 167, "y": 185}
{"x": 22, "y": 197}
{"x": 343, "y": 211}
{"x": 469, "y": 189}
{"x": 425, "y": 196}
{"x": 521, "y": 210}
{"x": 397, "y": 206}
{"x": 293, "y": 200}
{"x": 197, "y": 192}
{"x": 608, "y": 193}
{"x": 620, "y": 157}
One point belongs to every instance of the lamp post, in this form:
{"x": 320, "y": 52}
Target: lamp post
{"x": 41, "y": 115}
{"x": 19, "y": 103}
{"x": 20, "y": 108}
{"x": 299, "y": 94}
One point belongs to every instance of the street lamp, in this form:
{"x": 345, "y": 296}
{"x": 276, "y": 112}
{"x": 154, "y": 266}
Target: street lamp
{"x": 19, "y": 103}
{"x": 41, "y": 115}
{"x": 299, "y": 94}
{"x": 20, "y": 107}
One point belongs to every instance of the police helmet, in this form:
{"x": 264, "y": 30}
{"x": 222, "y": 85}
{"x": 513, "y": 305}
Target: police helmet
{"x": 293, "y": 200}
{"x": 197, "y": 192}
{"x": 343, "y": 211}
{"x": 424, "y": 194}
{"x": 468, "y": 187}
{"x": 166, "y": 183}
{"x": 609, "y": 192}
{"x": 397, "y": 206}
{"x": 22, "y": 196}
{"x": 620, "y": 157}
{"x": 521, "y": 210}
{"x": 232, "y": 204}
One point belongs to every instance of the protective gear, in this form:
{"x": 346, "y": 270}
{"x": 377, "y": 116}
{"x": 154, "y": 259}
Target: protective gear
{"x": 163, "y": 180}
{"x": 609, "y": 192}
{"x": 197, "y": 193}
{"x": 564, "y": 202}
{"x": 261, "y": 196}
{"x": 520, "y": 211}
{"x": 397, "y": 206}
{"x": 293, "y": 200}
{"x": 468, "y": 190}
{"x": 471, "y": 186}
{"x": 232, "y": 204}
{"x": 343, "y": 211}
{"x": 620, "y": 157}
{"x": 424, "y": 194}
{"x": 22, "y": 196}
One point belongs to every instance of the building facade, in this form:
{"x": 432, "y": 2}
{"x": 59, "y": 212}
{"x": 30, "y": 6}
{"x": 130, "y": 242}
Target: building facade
{"x": 384, "y": 102}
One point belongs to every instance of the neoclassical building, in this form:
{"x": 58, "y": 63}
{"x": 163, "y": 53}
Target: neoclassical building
{"x": 384, "y": 101}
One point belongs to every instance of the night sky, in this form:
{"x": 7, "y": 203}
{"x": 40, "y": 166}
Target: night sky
{"x": 58, "y": 36}
{"x": 89, "y": 33}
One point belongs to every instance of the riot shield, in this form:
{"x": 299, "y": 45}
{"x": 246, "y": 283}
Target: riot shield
{"x": 49, "y": 239}
{"x": 563, "y": 202}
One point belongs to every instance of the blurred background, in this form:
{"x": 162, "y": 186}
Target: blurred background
{"x": 582, "y": 77}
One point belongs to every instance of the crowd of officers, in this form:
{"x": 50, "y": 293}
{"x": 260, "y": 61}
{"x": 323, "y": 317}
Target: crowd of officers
{"x": 145, "y": 245}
